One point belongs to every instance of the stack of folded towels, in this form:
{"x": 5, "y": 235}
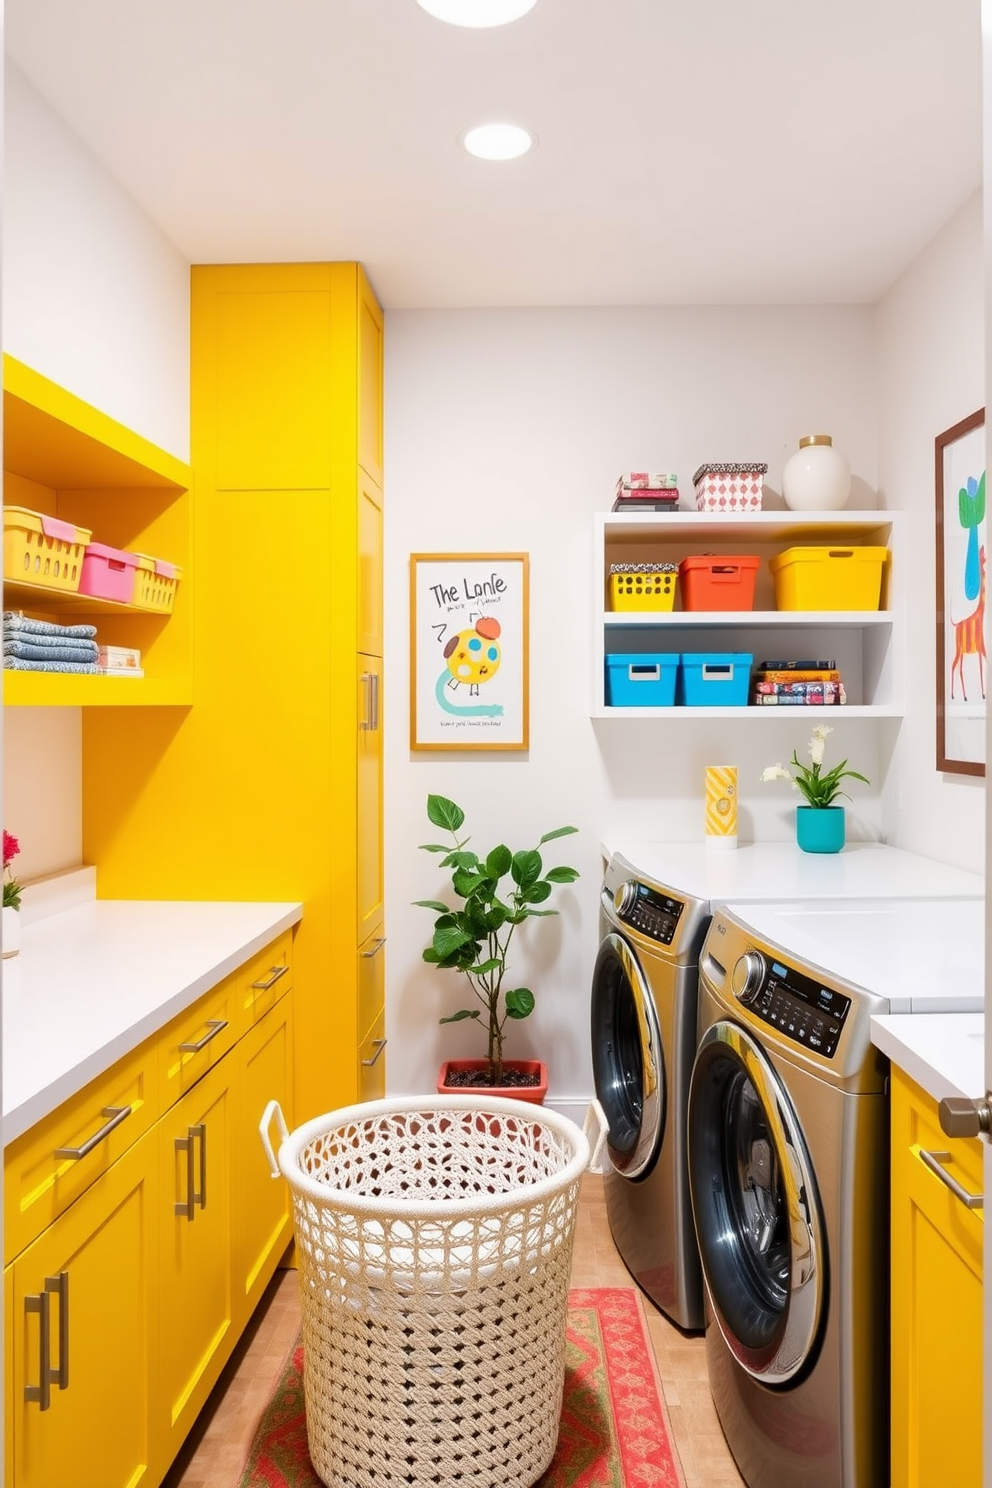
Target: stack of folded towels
{"x": 39, "y": 646}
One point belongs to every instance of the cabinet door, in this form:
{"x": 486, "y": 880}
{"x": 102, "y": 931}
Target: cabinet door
{"x": 372, "y": 1062}
{"x": 263, "y": 1213}
{"x": 369, "y": 566}
{"x": 370, "y": 856}
{"x": 196, "y": 1244}
{"x": 370, "y": 393}
{"x": 936, "y": 1277}
{"x": 84, "y": 1341}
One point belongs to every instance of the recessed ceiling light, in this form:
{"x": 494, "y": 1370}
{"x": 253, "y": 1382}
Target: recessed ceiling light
{"x": 498, "y": 141}
{"x": 477, "y": 12}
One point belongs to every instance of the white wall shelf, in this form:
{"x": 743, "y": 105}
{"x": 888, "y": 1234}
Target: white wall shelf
{"x": 866, "y": 644}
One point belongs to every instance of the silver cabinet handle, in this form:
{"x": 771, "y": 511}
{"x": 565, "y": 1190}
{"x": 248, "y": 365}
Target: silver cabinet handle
{"x": 276, "y": 973}
{"x": 214, "y": 1027}
{"x": 378, "y": 1045}
{"x": 187, "y": 1144}
{"x": 366, "y": 720}
{"x": 117, "y": 1114}
{"x": 380, "y": 942}
{"x": 375, "y": 701}
{"x": 41, "y": 1393}
{"x": 935, "y": 1162}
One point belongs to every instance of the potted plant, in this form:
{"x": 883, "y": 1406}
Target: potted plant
{"x": 820, "y": 823}
{"x": 474, "y": 939}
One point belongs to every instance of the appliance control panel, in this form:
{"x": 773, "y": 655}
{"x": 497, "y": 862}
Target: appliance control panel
{"x": 653, "y": 914}
{"x": 791, "y": 1002}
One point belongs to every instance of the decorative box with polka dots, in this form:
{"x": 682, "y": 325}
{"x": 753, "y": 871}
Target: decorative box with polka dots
{"x": 729, "y": 487}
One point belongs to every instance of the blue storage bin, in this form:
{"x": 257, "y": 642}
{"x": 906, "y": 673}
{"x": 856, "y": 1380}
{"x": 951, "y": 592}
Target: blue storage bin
{"x": 641, "y": 679}
{"x": 716, "y": 679}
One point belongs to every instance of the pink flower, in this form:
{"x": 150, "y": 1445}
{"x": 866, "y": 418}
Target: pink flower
{"x": 11, "y": 847}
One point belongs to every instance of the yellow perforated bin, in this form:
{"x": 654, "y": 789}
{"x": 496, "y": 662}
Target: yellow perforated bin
{"x": 829, "y": 578}
{"x": 643, "y": 586}
{"x": 155, "y": 583}
{"x": 38, "y": 549}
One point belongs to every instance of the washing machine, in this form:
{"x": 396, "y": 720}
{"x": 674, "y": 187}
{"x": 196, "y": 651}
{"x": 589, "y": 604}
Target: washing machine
{"x": 656, "y": 903}
{"x": 787, "y": 1140}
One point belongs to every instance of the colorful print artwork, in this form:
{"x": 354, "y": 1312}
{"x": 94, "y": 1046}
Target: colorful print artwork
{"x": 469, "y": 645}
{"x": 961, "y": 579}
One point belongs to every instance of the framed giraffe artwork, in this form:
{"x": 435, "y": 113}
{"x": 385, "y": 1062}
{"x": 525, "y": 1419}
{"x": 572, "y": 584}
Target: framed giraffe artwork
{"x": 959, "y": 461}
{"x": 469, "y": 643}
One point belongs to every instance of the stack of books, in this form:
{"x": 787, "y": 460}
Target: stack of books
{"x": 642, "y": 490}
{"x": 808, "y": 682}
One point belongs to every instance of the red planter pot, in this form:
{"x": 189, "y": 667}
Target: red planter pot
{"x": 533, "y": 1093}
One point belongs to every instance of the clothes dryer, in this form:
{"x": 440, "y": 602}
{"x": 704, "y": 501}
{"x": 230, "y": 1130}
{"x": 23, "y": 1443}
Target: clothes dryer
{"x": 787, "y": 1139}
{"x": 655, "y": 908}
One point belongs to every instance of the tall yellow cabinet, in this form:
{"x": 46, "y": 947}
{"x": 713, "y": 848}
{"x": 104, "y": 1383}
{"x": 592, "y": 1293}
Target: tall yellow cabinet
{"x": 270, "y": 786}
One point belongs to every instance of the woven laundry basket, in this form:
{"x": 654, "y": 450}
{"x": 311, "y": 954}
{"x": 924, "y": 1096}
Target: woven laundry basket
{"x": 434, "y": 1240}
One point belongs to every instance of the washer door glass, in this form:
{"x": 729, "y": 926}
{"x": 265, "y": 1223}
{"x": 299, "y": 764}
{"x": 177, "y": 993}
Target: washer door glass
{"x": 627, "y": 1059}
{"x": 755, "y": 1207}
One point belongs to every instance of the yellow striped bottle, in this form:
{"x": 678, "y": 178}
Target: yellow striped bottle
{"x": 721, "y": 805}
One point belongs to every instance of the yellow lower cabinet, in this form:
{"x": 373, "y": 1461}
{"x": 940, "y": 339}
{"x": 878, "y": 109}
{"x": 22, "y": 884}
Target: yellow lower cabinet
{"x": 372, "y": 1062}
{"x": 195, "y": 1249}
{"x": 8, "y": 1376}
{"x": 263, "y": 1213}
{"x": 936, "y": 1298}
{"x": 83, "y": 1336}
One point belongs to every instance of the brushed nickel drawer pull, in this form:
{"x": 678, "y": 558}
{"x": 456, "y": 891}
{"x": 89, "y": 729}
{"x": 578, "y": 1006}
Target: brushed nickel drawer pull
{"x": 378, "y": 1045}
{"x": 200, "y": 1132}
{"x": 117, "y": 1114}
{"x": 935, "y": 1162}
{"x": 185, "y": 1206}
{"x": 365, "y": 722}
{"x": 380, "y": 942}
{"x": 275, "y": 973}
{"x": 41, "y": 1393}
{"x": 214, "y": 1026}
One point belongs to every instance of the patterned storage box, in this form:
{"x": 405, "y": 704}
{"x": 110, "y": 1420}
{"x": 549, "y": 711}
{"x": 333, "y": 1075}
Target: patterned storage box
{"x": 729, "y": 487}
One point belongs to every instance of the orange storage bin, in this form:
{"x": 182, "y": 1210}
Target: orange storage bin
{"x": 718, "y": 581}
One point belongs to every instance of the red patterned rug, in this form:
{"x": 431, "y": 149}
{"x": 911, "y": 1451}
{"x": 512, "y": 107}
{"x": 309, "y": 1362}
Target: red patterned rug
{"x": 614, "y": 1425}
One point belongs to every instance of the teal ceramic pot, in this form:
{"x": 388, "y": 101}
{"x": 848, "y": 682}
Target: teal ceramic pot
{"x": 820, "y": 829}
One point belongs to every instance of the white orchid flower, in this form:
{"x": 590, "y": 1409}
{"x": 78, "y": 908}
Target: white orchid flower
{"x": 776, "y": 772}
{"x": 816, "y": 744}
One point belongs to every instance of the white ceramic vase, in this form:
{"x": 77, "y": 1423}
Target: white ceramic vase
{"x": 817, "y": 477}
{"x": 10, "y": 931}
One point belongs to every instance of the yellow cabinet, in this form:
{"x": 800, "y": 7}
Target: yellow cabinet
{"x": 83, "y": 1324}
{"x": 936, "y": 1298}
{"x": 370, "y": 538}
{"x": 371, "y": 1001}
{"x": 370, "y": 867}
{"x": 195, "y": 1215}
{"x": 263, "y": 1215}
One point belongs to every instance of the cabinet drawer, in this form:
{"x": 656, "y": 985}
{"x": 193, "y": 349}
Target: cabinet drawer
{"x": 263, "y": 980}
{"x": 371, "y": 981}
{"x": 195, "y": 1041}
{"x": 47, "y": 1168}
{"x": 372, "y": 1062}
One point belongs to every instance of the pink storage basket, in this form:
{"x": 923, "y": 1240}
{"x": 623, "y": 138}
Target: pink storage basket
{"x": 108, "y": 573}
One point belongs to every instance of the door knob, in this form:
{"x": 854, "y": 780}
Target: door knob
{"x": 965, "y": 1118}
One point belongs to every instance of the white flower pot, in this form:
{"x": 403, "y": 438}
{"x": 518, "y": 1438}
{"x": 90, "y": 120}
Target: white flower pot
{"x": 817, "y": 477}
{"x": 10, "y": 931}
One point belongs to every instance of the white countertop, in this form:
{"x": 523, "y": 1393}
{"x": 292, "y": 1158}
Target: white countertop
{"x": 943, "y": 1052}
{"x": 95, "y": 980}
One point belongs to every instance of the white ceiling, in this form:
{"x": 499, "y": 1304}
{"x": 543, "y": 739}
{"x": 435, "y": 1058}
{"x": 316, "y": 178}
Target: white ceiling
{"x": 691, "y": 151}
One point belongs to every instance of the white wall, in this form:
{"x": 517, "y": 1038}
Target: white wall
{"x": 931, "y": 374}
{"x": 94, "y": 295}
{"x": 506, "y": 431}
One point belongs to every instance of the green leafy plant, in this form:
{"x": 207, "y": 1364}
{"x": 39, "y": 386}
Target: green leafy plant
{"x": 474, "y": 938}
{"x": 820, "y": 787}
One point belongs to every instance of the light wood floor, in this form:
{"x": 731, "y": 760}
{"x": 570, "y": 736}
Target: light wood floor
{"x": 216, "y": 1449}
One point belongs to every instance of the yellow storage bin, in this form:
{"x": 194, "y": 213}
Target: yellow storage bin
{"x": 155, "y": 583}
{"x": 643, "y": 586}
{"x": 828, "y": 578}
{"x": 38, "y": 549}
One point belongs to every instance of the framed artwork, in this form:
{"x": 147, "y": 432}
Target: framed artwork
{"x": 469, "y": 665}
{"x": 961, "y": 561}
